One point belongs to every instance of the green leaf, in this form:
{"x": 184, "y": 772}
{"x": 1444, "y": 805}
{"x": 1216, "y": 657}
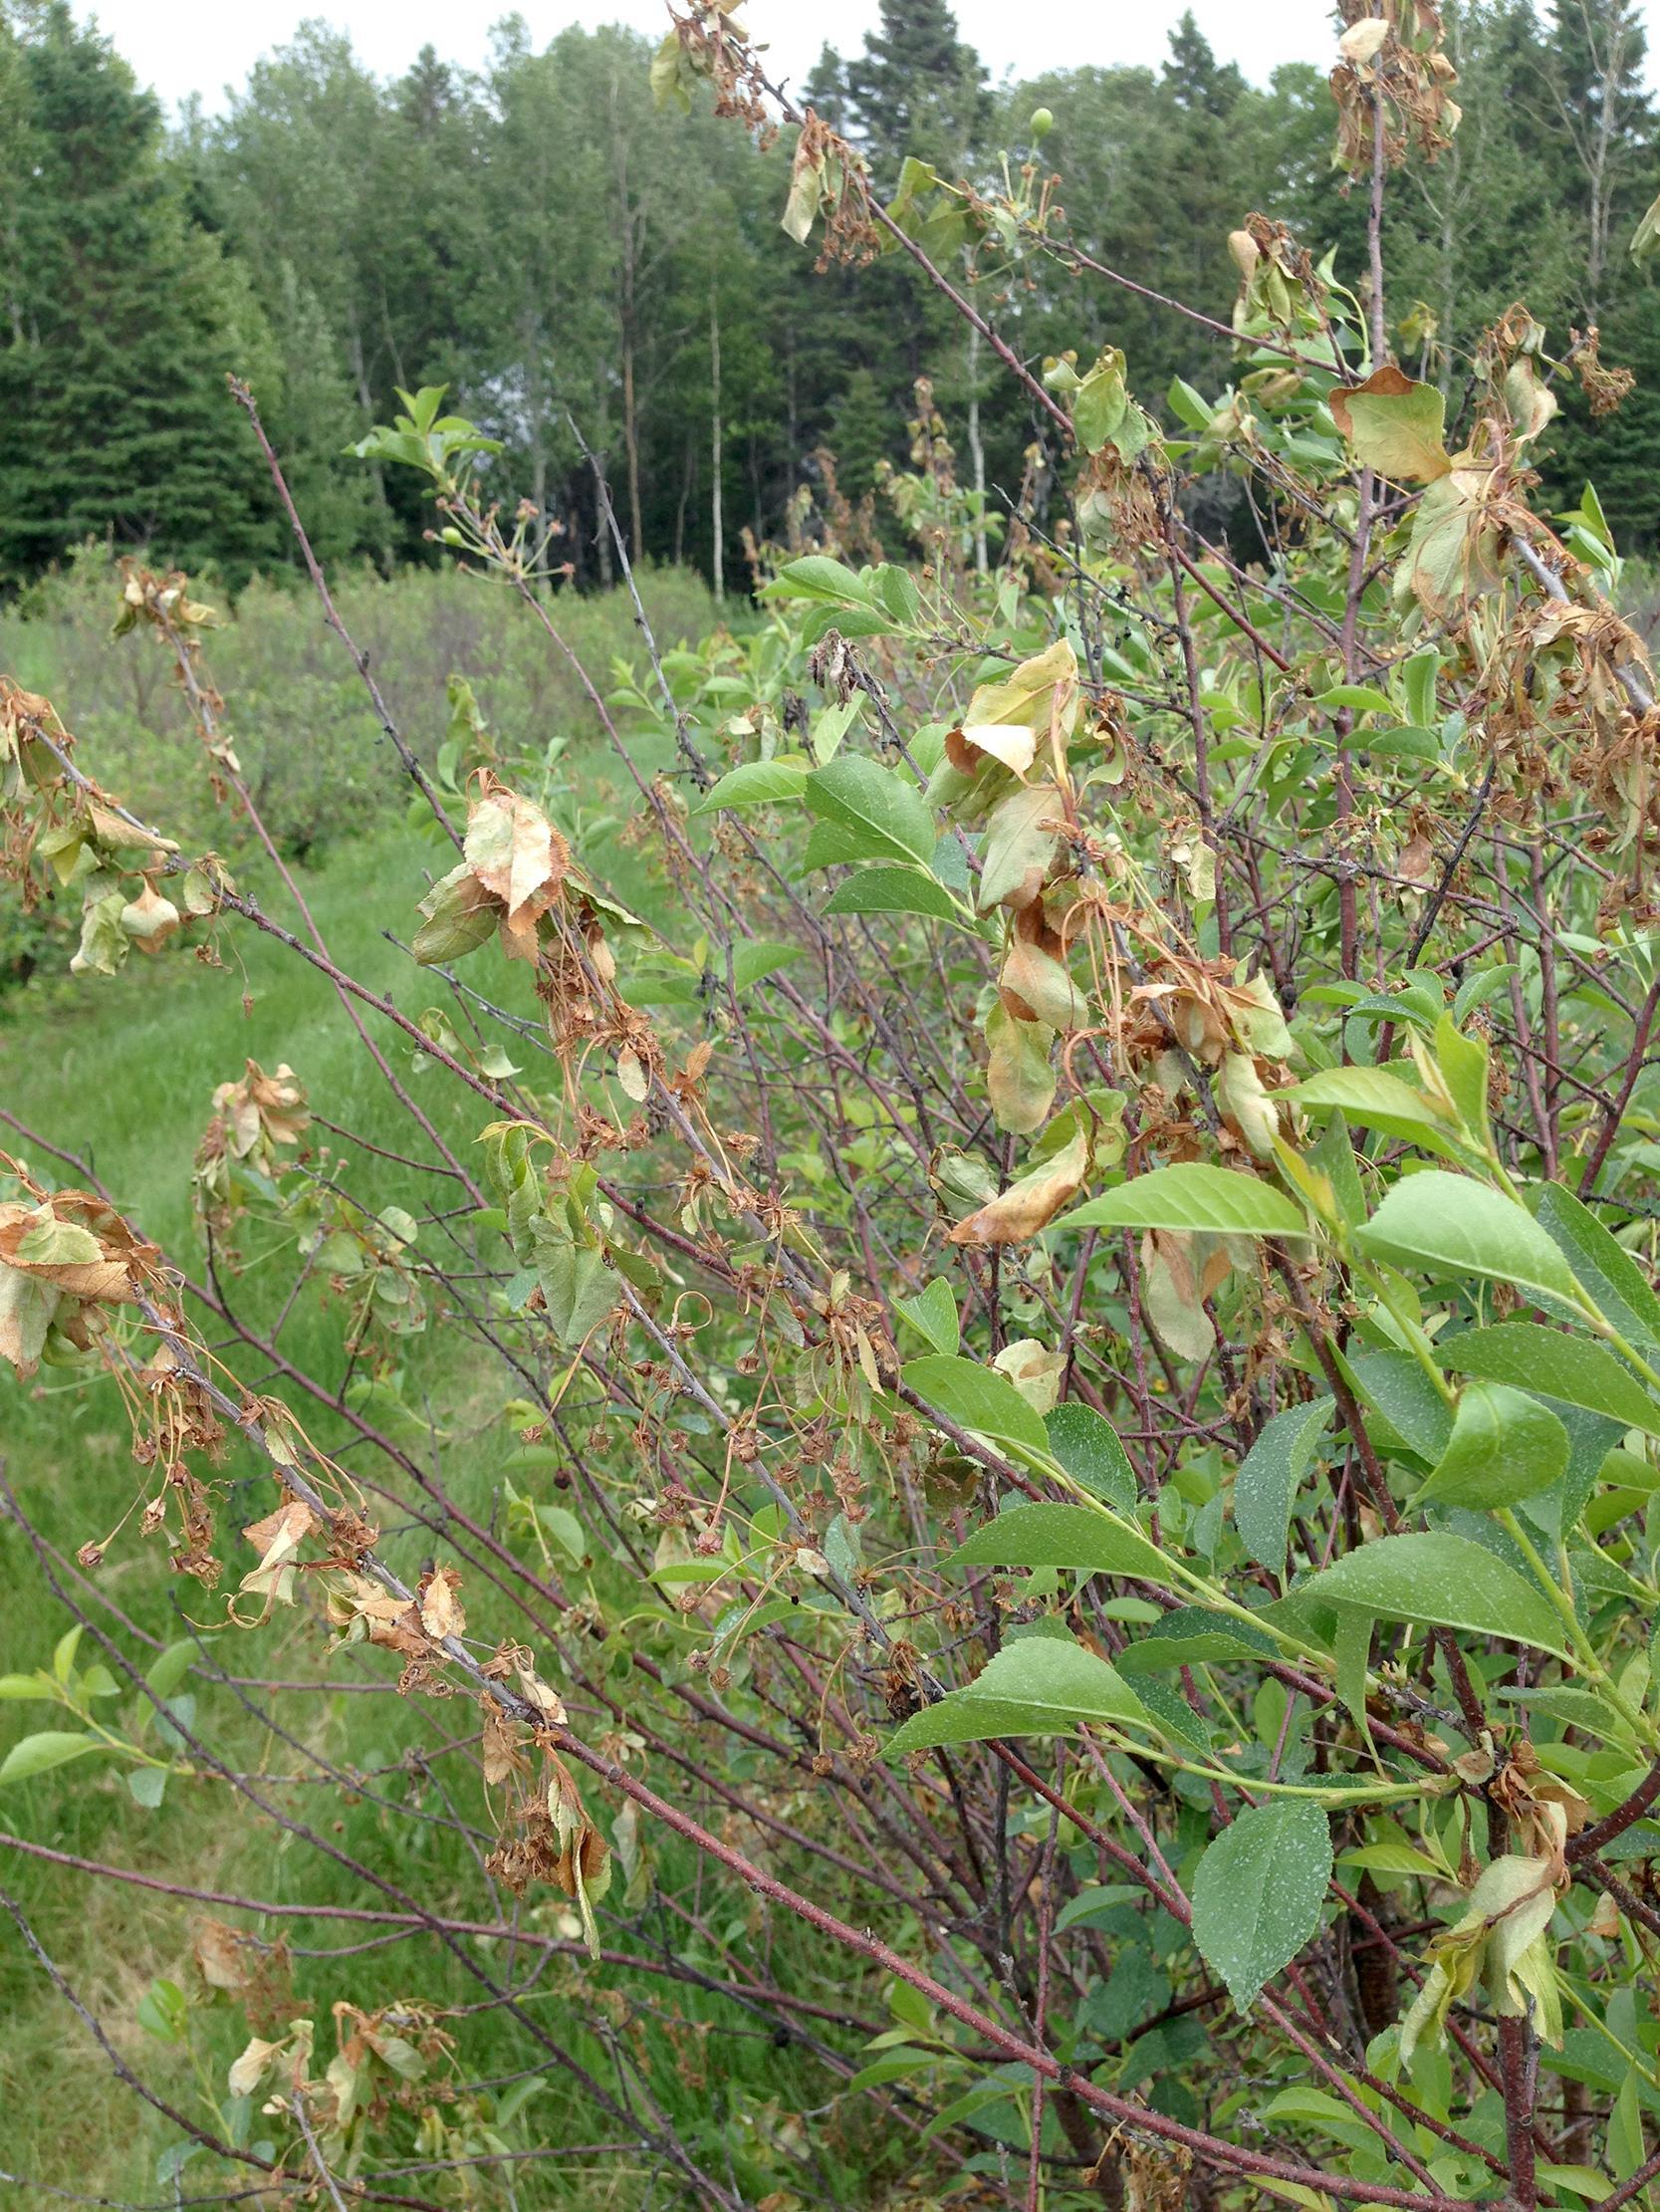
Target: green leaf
{"x": 892, "y": 890}
{"x": 1258, "y": 1894}
{"x": 164, "y": 2012}
{"x": 1333, "y": 1156}
{"x": 1394, "y": 1386}
{"x": 1440, "y": 1580}
{"x": 1360, "y": 698}
{"x": 560, "y": 1525}
{"x": 1531, "y": 1357}
{"x": 974, "y": 1397}
{"x": 1100, "y": 402}
{"x": 577, "y": 1287}
{"x": 1086, "y": 1445}
{"x": 1645, "y": 239}
{"x": 816, "y": 576}
{"x": 26, "y": 1685}
{"x": 1478, "y": 988}
{"x": 1418, "y": 680}
{"x": 1463, "y": 1063}
{"x": 754, "y": 958}
{"x": 1376, "y": 1099}
{"x": 1040, "y": 1686}
{"x": 1352, "y": 1645}
{"x": 38, "y": 1754}
{"x": 756, "y": 783}
{"x": 886, "y": 817}
{"x": 1578, "y": 2181}
{"x": 1458, "y": 1227}
{"x": 1192, "y": 1196}
{"x": 1576, "y": 1708}
{"x": 1074, "y": 1537}
{"x": 894, "y": 2066}
{"x": 147, "y": 1784}
{"x": 54, "y": 1243}
{"x": 846, "y": 621}
{"x": 895, "y": 591}
{"x": 933, "y": 1314}
{"x": 1616, "y": 1284}
{"x": 1188, "y": 405}
{"x": 1394, "y": 1859}
{"x": 1192, "y": 1636}
{"x": 1503, "y": 1447}
{"x": 1266, "y": 1485}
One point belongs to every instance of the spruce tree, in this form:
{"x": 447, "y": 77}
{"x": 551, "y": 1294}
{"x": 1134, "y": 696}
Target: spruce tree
{"x": 123, "y": 321}
{"x": 917, "y": 88}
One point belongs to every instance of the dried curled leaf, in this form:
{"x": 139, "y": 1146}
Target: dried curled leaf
{"x": 1030, "y": 1205}
{"x": 278, "y": 1539}
{"x": 59, "y": 1260}
{"x": 440, "y": 1608}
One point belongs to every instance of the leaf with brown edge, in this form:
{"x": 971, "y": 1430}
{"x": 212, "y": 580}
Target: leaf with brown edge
{"x": 1015, "y": 746}
{"x": 27, "y": 1308}
{"x": 149, "y": 919}
{"x": 1172, "y": 1291}
{"x": 1453, "y": 555}
{"x": 248, "y": 2071}
{"x": 1360, "y": 44}
{"x": 1022, "y": 836}
{"x": 226, "y": 1957}
{"x": 535, "y": 1691}
{"x": 457, "y": 914}
{"x": 41, "y": 1241}
{"x": 1395, "y": 425}
{"x": 1040, "y": 698}
{"x": 1030, "y": 1205}
{"x": 1034, "y": 983}
{"x": 49, "y": 1242}
{"x": 520, "y": 859}
{"x": 1019, "y": 1078}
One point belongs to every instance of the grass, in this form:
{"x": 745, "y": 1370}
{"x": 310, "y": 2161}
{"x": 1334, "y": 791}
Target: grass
{"x": 123, "y": 1073}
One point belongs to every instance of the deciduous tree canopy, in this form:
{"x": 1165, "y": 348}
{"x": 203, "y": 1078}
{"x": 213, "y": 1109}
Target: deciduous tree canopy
{"x": 539, "y": 238}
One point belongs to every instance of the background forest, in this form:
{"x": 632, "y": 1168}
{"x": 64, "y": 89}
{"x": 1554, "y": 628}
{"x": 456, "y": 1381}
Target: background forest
{"x": 546, "y": 242}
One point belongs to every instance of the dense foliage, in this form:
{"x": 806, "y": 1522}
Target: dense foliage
{"x": 986, "y": 1403}
{"x": 569, "y": 260}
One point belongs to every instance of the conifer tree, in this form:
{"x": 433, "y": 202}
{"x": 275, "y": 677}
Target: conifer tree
{"x": 123, "y": 319}
{"x": 916, "y": 89}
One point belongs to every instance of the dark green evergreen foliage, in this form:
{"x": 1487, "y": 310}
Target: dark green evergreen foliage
{"x": 541, "y": 239}
{"x": 915, "y": 89}
{"x": 122, "y": 320}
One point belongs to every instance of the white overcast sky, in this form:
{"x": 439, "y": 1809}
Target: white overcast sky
{"x": 201, "y": 45}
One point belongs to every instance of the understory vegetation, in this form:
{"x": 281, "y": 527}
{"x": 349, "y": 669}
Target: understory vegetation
{"x": 852, "y": 1398}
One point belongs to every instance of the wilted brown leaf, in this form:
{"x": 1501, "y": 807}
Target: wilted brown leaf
{"x": 440, "y": 1608}
{"x": 1031, "y": 1204}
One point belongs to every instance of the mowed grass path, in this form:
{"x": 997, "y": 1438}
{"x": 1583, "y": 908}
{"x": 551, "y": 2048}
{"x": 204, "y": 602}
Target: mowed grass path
{"x": 123, "y": 1073}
